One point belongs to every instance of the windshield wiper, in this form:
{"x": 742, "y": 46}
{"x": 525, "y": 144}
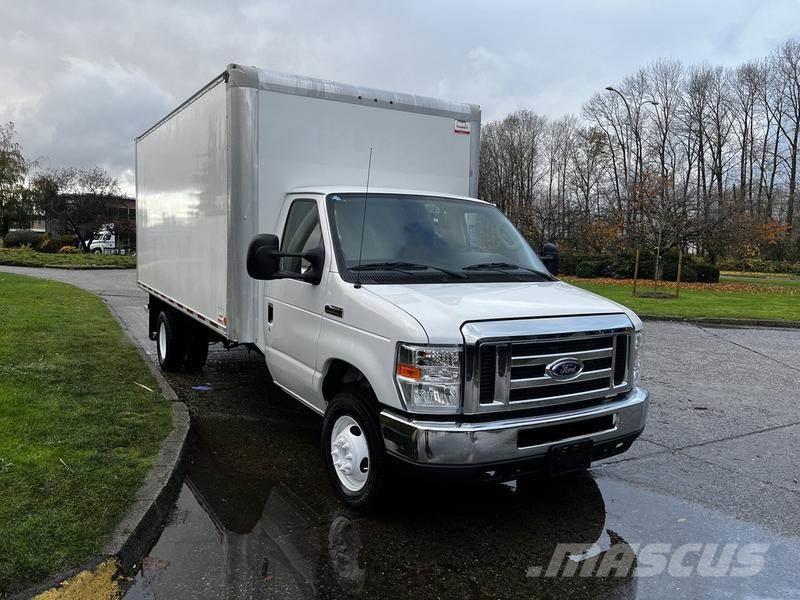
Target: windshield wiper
{"x": 504, "y": 267}
{"x": 404, "y": 267}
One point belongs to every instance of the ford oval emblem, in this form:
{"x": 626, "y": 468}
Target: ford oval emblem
{"x": 565, "y": 369}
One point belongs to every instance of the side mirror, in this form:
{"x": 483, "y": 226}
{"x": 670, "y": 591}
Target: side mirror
{"x": 263, "y": 256}
{"x": 264, "y": 259}
{"x": 550, "y": 257}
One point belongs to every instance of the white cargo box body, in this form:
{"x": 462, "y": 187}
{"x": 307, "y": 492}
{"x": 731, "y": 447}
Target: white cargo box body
{"x": 215, "y": 172}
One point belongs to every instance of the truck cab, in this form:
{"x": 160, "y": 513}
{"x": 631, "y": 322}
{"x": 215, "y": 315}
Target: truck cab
{"x": 103, "y": 241}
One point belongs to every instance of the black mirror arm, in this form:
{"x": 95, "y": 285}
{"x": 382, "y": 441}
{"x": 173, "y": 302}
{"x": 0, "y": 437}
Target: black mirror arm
{"x": 313, "y": 275}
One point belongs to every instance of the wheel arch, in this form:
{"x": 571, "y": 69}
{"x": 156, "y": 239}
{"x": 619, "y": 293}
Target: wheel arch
{"x": 340, "y": 374}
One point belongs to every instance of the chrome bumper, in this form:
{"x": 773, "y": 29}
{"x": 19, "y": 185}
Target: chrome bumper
{"x": 473, "y": 444}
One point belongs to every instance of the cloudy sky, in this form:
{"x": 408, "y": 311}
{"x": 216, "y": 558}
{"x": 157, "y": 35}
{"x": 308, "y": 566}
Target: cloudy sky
{"x": 80, "y": 79}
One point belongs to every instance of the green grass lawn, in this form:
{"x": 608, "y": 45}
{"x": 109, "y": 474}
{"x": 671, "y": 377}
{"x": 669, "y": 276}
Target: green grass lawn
{"x": 77, "y": 435}
{"x": 759, "y": 301}
{"x": 25, "y": 257}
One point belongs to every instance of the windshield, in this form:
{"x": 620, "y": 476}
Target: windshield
{"x": 428, "y": 238}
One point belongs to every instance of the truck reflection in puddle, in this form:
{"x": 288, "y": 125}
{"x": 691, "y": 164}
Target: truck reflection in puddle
{"x": 241, "y": 530}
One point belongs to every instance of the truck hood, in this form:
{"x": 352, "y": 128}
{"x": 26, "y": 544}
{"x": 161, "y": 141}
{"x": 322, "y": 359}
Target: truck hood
{"x": 442, "y": 309}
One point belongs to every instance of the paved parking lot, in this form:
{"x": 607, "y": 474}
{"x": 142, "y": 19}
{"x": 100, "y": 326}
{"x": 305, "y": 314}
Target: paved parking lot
{"x": 257, "y": 518}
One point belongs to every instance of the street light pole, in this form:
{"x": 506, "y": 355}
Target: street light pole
{"x": 639, "y": 161}
{"x": 631, "y": 124}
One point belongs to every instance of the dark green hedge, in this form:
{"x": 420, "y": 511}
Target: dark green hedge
{"x": 621, "y": 266}
{"x": 14, "y": 239}
{"x": 759, "y": 265}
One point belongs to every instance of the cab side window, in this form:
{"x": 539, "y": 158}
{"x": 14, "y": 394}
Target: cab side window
{"x": 301, "y": 234}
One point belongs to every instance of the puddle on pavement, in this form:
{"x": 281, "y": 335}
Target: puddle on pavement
{"x": 256, "y": 518}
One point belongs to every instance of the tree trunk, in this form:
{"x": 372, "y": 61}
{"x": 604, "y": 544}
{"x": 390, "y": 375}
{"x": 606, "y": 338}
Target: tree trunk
{"x": 792, "y": 179}
{"x": 658, "y": 261}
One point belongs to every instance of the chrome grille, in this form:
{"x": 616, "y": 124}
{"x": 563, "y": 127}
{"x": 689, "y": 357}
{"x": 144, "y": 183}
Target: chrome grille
{"x": 509, "y": 370}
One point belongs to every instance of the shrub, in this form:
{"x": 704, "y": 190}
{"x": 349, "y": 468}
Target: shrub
{"x": 669, "y": 271}
{"x": 706, "y": 273}
{"x": 68, "y": 250}
{"x": 15, "y": 239}
{"x": 47, "y": 245}
{"x": 622, "y": 266}
{"x": 66, "y": 240}
{"x": 568, "y": 262}
{"x": 587, "y": 269}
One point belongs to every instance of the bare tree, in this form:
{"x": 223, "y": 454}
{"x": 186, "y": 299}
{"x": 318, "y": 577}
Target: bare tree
{"x": 80, "y": 198}
{"x": 718, "y": 146}
{"x": 787, "y": 62}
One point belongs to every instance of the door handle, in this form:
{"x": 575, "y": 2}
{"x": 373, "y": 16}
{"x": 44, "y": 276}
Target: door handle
{"x": 269, "y": 312}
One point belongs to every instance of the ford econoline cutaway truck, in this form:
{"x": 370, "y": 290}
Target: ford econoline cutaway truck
{"x": 336, "y": 230}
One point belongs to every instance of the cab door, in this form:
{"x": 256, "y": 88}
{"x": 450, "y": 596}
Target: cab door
{"x": 294, "y": 308}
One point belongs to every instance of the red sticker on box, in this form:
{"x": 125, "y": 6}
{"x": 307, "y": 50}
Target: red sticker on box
{"x": 461, "y": 127}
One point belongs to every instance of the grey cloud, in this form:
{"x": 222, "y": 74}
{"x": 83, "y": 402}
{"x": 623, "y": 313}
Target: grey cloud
{"x": 82, "y": 78}
{"x": 90, "y": 112}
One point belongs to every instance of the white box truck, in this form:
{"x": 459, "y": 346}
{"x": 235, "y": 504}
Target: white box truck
{"x": 335, "y": 229}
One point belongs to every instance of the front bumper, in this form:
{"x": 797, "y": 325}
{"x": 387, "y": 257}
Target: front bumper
{"x": 508, "y": 440}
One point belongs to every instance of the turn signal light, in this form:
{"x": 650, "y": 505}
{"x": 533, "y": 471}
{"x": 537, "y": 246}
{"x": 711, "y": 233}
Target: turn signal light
{"x": 409, "y": 371}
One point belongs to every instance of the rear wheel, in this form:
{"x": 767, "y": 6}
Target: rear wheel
{"x": 170, "y": 341}
{"x": 353, "y": 449}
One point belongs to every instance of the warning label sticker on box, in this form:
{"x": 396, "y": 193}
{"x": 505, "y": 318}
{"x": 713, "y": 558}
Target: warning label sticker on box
{"x": 461, "y": 127}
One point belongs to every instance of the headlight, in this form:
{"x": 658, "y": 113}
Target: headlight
{"x": 429, "y": 378}
{"x": 638, "y": 338}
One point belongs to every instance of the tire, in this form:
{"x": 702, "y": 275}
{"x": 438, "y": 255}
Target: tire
{"x": 351, "y": 427}
{"x": 170, "y": 340}
{"x": 97, "y": 251}
{"x": 196, "y": 347}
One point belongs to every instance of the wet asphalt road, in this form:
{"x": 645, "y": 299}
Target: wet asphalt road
{"x": 256, "y": 517}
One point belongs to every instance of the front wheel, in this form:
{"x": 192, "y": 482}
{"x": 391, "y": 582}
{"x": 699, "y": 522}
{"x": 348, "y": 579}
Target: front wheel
{"x": 353, "y": 449}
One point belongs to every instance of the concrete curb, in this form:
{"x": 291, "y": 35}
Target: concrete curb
{"x": 141, "y": 525}
{"x": 724, "y": 322}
